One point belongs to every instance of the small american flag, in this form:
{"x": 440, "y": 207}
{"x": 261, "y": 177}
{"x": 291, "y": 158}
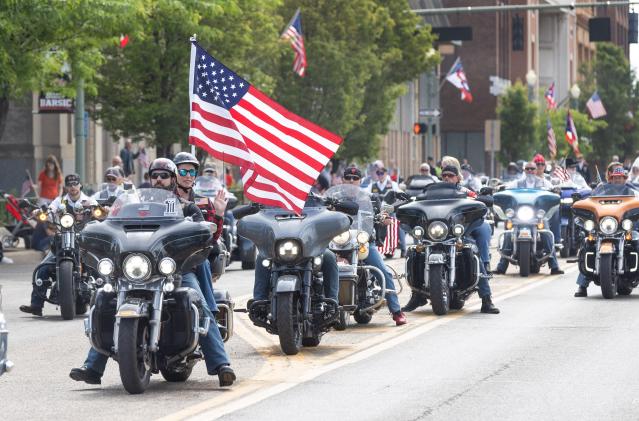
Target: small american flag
{"x": 571, "y": 134}
{"x": 392, "y": 238}
{"x": 561, "y": 173}
{"x": 552, "y": 141}
{"x": 293, "y": 33}
{"x": 551, "y": 103}
{"x": 280, "y": 154}
{"x": 595, "y": 106}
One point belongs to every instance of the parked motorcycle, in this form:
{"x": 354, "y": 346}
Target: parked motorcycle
{"x": 609, "y": 252}
{"x": 293, "y": 245}
{"x": 142, "y": 317}
{"x": 73, "y": 286}
{"x": 5, "y": 364}
{"x": 527, "y": 212}
{"x": 443, "y": 265}
{"x": 237, "y": 247}
{"x": 362, "y": 287}
{"x": 569, "y": 232}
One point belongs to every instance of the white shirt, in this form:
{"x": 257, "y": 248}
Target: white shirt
{"x": 83, "y": 198}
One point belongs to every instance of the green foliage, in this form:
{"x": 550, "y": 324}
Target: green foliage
{"x": 142, "y": 89}
{"x": 519, "y": 123}
{"x": 360, "y": 55}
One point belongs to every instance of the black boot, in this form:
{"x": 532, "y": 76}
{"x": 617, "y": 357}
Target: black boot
{"x": 487, "y": 306}
{"x": 416, "y": 300}
{"x": 36, "y": 311}
{"x": 226, "y": 375}
{"x": 85, "y": 374}
{"x": 581, "y": 292}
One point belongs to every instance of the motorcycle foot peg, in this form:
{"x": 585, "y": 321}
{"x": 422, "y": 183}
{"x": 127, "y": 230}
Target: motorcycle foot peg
{"x": 572, "y": 261}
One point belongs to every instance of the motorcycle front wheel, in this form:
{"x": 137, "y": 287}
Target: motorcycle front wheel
{"x": 524, "y": 258}
{"x": 66, "y": 291}
{"x": 132, "y": 358}
{"x": 439, "y": 294}
{"x": 606, "y": 278}
{"x": 289, "y": 322}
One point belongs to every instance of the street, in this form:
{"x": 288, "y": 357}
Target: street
{"x": 548, "y": 355}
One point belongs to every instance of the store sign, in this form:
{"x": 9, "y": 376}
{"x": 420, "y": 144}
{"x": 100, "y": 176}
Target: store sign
{"x": 52, "y": 102}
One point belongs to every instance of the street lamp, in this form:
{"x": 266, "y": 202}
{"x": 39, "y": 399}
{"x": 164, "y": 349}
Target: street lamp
{"x": 531, "y": 80}
{"x": 574, "y": 93}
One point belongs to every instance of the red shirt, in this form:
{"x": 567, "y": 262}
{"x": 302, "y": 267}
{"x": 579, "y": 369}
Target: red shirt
{"x": 50, "y": 187}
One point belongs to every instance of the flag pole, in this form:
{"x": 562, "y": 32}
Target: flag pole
{"x": 297, "y": 12}
{"x": 192, "y": 39}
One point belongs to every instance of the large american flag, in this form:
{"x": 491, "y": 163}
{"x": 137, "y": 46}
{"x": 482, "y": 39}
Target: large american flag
{"x": 293, "y": 33}
{"x": 552, "y": 141}
{"x": 280, "y": 154}
{"x": 595, "y": 106}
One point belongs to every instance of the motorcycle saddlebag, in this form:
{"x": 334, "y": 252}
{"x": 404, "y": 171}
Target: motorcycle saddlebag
{"x": 103, "y": 320}
{"x": 415, "y": 265}
{"x": 466, "y": 268}
{"x": 178, "y": 323}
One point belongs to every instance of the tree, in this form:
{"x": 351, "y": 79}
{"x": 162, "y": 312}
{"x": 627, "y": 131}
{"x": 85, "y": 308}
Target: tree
{"x": 360, "y": 55}
{"x": 519, "y": 123}
{"x": 143, "y": 88}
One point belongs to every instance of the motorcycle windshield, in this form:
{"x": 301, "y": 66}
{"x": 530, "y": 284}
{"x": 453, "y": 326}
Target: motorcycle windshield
{"x": 364, "y": 221}
{"x": 418, "y": 182}
{"x": 107, "y": 190}
{"x": 207, "y": 186}
{"x": 148, "y": 204}
{"x": 603, "y": 190}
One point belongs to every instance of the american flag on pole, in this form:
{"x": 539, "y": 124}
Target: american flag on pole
{"x": 551, "y": 103}
{"x": 293, "y": 33}
{"x": 552, "y": 141}
{"x": 595, "y": 106}
{"x": 561, "y": 173}
{"x": 571, "y": 134}
{"x": 280, "y": 154}
{"x": 457, "y": 77}
{"x": 392, "y": 238}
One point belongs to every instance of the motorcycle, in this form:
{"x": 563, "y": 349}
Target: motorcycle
{"x": 362, "y": 287}
{"x": 527, "y": 212}
{"x": 416, "y": 183}
{"x": 292, "y": 246}
{"x": 73, "y": 286}
{"x": 141, "y": 316}
{"x": 443, "y": 265}
{"x": 608, "y": 253}
{"x": 5, "y": 364}
{"x": 237, "y": 247}
{"x": 569, "y": 232}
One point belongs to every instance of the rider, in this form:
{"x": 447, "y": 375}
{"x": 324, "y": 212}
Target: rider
{"x": 575, "y": 177}
{"x": 163, "y": 173}
{"x": 114, "y": 181}
{"x": 352, "y": 175}
{"x": 615, "y": 174}
{"x": 540, "y": 167}
{"x": 532, "y": 181}
{"x": 74, "y": 197}
{"x": 470, "y": 181}
{"x": 479, "y": 231}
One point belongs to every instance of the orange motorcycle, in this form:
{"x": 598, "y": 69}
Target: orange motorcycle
{"x": 608, "y": 255}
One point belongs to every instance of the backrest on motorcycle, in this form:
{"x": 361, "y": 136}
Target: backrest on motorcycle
{"x": 177, "y": 321}
{"x": 440, "y": 191}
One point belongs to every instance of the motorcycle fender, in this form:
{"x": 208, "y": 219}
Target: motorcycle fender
{"x": 288, "y": 283}
{"x": 130, "y": 310}
{"x": 436, "y": 259}
{"x": 606, "y": 247}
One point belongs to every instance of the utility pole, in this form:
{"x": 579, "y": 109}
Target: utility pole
{"x": 80, "y": 134}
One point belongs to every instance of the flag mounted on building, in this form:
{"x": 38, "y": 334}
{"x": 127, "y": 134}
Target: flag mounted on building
{"x": 293, "y": 33}
{"x": 571, "y": 134}
{"x": 280, "y": 154}
{"x": 552, "y": 141}
{"x": 595, "y": 106}
{"x": 551, "y": 102}
{"x": 457, "y": 77}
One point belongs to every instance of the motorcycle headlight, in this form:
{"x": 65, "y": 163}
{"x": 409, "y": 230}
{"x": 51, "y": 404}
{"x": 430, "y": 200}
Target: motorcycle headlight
{"x": 105, "y": 267}
{"x": 566, "y": 201}
{"x": 541, "y": 213}
{"x": 525, "y": 213}
{"x": 437, "y": 230}
{"x": 137, "y": 267}
{"x": 342, "y": 238}
{"x": 608, "y": 225}
{"x": 418, "y": 233}
{"x": 589, "y": 225}
{"x": 289, "y": 249}
{"x": 626, "y": 224}
{"x": 363, "y": 237}
{"x": 510, "y": 213}
{"x": 97, "y": 213}
{"x": 67, "y": 220}
{"x": 42, "y": 216}
{"x": 458, "y": 230}
{"x": 166, "y": 266}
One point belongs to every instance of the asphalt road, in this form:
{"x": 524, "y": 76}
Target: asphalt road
{"x": 548, "y": 355}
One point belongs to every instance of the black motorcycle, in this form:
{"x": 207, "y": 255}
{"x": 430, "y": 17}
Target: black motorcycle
{"x": 443, "y": 265}
{"x": 293, "y": 245}
{"x": 142, "y": 317}
{"x": 72, "y": 287}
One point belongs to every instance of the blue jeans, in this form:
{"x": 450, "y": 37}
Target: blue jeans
{"x": 582, "y": 281}
{"x": 480, "y": 232}
{"x": 262, "y": 286}
{"x": 45, "y": 272}
{"x": 375, "y": 259}
{"x": 555, "y": 226}
{"x": 205, "y": 279}
{"x": 212, "y": 345}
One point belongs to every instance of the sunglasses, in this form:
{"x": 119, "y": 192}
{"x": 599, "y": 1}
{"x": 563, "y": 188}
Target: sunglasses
{"x": 73, "y": 184}
{"x": 448, "y": 175}
{"x": 351, "y": 178}
{"x": 381, "y": 172}
{"x": 184, "y": 172}
{"x": 423, "y": 170}
{"x": 162, "y": 175}
{"x": 531, "y": 169}
{"x": 111, "y": 179}
{"x": 540, "y": 164}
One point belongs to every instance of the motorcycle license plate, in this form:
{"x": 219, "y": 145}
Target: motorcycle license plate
{"x": 606, "y": 248}
{"x": 524, "y": 233}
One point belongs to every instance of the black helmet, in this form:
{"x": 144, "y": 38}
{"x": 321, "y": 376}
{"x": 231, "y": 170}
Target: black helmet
{"x": 186, "y": 158}
{"x": 113, "y": 172}
{"x": 163, "y": 164}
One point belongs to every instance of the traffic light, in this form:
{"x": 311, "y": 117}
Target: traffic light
{"x": 518, "y": 33}
{"x": 420, "y": 128}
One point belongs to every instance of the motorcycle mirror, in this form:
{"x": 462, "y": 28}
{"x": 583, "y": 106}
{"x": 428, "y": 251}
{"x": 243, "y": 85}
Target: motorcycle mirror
{"x": 402, "y": 186}
{"x": 486, "y": 191}
{"x": 127, "y": 186}
{"x": 348, "y": 207}
{"x": 575, "y": 196}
